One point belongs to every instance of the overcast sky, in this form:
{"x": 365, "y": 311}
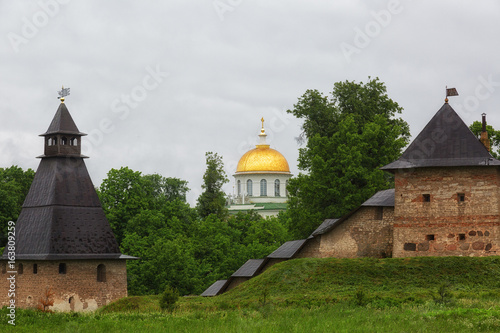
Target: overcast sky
{"x": 156, "y": 85}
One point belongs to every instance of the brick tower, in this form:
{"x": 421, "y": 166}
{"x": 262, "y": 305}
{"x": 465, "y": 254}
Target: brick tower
{"x": 446, "y": 192}
{"x": 64, "y": 242}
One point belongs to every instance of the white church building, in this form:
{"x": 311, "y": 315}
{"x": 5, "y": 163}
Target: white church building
{"x": 261, "y": 179}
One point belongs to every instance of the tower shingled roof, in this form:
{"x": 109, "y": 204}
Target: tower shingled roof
{"x": 444, "y": 142}
{"x": 62, "y": 217}
{"x": 62, "y": 123}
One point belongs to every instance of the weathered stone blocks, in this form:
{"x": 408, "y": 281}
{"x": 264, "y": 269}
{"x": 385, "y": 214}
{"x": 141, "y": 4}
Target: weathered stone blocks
{"x": 76, "y": 290}
{"x": 462, "y": 215}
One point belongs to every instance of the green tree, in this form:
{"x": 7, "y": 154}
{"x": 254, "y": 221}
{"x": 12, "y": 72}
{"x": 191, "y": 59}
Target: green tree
{"x": 122, "y": 197}
{"x": 348, "y": 137}
{"x": 162, "y": 262}
{"x": 493, "y": 135}
{"x": 213, "y": 200}
{"x": 14, "y": 186}
{"x": 168, "y": 299}
{"x": 125, "y": 194}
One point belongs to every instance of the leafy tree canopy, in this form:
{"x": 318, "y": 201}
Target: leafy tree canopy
{"x": 125, "y": 193}
{"x": 213, "y": 200}
{"x": 348, "y": 136}
{"x": 14, "y": 186}
{"x": 192, "y": 260}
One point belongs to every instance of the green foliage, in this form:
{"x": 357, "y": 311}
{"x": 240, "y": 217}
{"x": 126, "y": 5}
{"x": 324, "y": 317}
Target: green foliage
{"x": 221, "y": 247}
{"x": 212, "y": 200}
{"x": 398, "y": 302}
{"x": 168, "y": 299}
{"x": 493, "y": 135}
{"x": 372, "y": 282}
{"x": 176, "y": 247}
{"x": 125, "y": 193}
{"x": 360, "y": 298}
{"x": 348, "y": 137}
{"x": 326, "y": 318}
{"x": 14, "y": 186}
{"x": 444, "y": 295}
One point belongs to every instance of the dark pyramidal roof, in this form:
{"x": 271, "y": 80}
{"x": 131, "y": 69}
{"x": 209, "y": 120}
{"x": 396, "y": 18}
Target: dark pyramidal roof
{"x": 445, "y": 141}
{"x": 62, "y": 123}
{"x": 62, "y": 217}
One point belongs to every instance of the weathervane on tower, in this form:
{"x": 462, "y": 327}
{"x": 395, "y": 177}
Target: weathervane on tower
{"x": 450, "y": 92}
{"x": 63, "y": 93}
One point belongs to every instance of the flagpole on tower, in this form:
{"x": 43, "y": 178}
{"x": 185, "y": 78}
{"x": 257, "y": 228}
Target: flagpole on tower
{"x": 450, "y": 92}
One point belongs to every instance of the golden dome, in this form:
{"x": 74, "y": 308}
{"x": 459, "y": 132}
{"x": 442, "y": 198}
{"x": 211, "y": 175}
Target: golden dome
{"x": 262, "y": 159}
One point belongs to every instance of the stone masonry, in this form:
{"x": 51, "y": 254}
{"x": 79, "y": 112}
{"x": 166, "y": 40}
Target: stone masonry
{"x": 447, "y": 211}
{"x": 78, "y": 289}
{"x": 366, "y": 233}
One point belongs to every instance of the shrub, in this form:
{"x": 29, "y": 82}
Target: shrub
{"x": 47, "y": 301}
{"x": 168, "y": 299}
{"x": 360, "y": 298}
{"x": 444, "y": 295}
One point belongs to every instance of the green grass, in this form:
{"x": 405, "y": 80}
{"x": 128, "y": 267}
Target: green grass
{"x": 313, "y": 295}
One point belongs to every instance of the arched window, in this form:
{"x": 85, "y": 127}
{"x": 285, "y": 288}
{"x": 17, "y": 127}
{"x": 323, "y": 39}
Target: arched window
{"x": 263, "y": 188}
{"x": 62, "y": 268}
{"x": 73, "y": 142}
{"x": 239, "y": 187}
{"x": 52, "y": 141}
{"x": 286, "y": 188}
{"x": 64, "y": 141}
{"x": 277, "y": 188}
{"x": 35, "y": 268}
{"x": 249, "y": 187}
{"x": 101, "y": 273}
{"x": 20, "y": 269}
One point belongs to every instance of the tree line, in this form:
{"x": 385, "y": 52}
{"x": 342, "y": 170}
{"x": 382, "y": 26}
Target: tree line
{"x": 188, "y": 248}
{"x": 347, "y": 135}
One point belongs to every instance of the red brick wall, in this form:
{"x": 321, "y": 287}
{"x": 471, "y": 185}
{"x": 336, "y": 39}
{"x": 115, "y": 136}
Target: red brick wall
{"x": 78, "y": 284}
{"x": 445, "y": 225}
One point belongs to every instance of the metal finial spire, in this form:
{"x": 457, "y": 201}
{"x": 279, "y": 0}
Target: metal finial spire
{"x": 262, "y": 130}
{"x": 63, "y": 93}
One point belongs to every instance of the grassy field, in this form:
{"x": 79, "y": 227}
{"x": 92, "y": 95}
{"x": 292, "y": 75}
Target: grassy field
{"x": 453, "y": 294}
